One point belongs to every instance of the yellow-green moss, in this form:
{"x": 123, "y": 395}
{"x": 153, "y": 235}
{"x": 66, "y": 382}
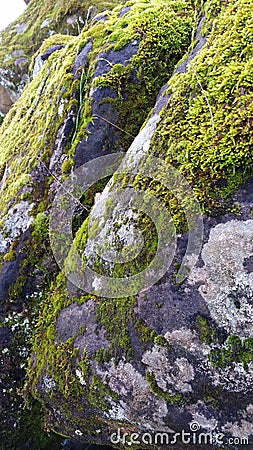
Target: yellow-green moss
{"x": 145, "y": 333}
{"x": 178, "y": 399}
{"x": 12, "y": 253}
{"x": 206, "y": 129}
{"x": 98, "y": 392}
{"x": 163, "y": 31}
{"x": 33, "y": 35}
{"x": 205, "y": 132}
{"x": 234, "y": 350}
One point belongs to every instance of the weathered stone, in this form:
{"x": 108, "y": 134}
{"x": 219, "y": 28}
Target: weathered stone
{"x": 176, "y": 354}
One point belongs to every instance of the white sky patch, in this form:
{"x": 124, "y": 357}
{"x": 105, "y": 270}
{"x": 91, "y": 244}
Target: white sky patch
{"x": 10, "y": 10}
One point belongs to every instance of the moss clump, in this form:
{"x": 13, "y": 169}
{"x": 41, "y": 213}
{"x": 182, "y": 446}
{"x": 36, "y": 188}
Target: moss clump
{"x": 99, "y": 392}
{"x": 161, "y": 341}
{"x": 206, "y": 131}
{"x": 21, "y": 40}
{"x": 227, "y": 351}
{"x": 67, "y": 165}
{"x": 163, "y": 30}
{"x": 116, "y": 316}
{"x": 145, "y": 333}
{"x": 206, "y": 333}
{"x": 12, "y": 253}
{"x": 55, "y": 83}
{"x": 173, "y": 399}
{"x": 103, "y": 355}
{"x": 234, "y": 350}
{"x": 40, "y": 226}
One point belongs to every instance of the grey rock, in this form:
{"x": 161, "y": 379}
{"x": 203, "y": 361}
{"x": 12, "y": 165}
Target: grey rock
{"x": 82, "y": 59}
{"x": 21, "y": 28}
{"x": 124, "y": 11}
{"x": 51, "y": 50}
{"x": 20, "y": 61}
{"x": 106, "y": 59}
{"x": 73, "y": 320}
{"x": 102, "y": 138}
{"x": 38, "y": 64}
{"x": 63, "y": 135}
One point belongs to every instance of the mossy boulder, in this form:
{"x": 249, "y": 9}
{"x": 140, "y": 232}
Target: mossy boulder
{"x": 21, "y": 40}
{"x": 175, "y": 356}
{"x": 90, "y": 97}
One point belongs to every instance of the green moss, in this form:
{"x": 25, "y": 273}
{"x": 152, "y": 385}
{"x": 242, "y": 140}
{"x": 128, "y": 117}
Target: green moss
{"x": 34, "y": 34}
{"x": 234, "y": 350}
{"x": 103, "y": 355}
{"x": 12, "y": 253}
{"x": 99, "y": 392}
{"x": 67, "y": 165}
{"x": 161, "y": 341}
{"x": 116, "y": 315}
{"x": 40, "y": 226}
{"x": 163, "y": 30}
{"x": 145, "y": 333}
{"x": 206, "y": 130}
{"x": 44, "y": 344}
{"x": 206, "y": 333}
{"x": 173, "y": 399}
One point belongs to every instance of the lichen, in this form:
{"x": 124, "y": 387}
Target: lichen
{"x": 205, "y": 129}
{"x": 205, "y": 132}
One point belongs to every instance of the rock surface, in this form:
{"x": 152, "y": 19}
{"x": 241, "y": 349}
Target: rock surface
{"x": 20, "y": 41}
{"x": 163, "y": 80}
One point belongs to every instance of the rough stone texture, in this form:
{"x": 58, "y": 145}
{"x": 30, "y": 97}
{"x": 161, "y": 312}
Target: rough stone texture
{"x": 102, "y": 137}
{"x": 226, "y": 284}
{"x": 6, "y": 100}
{"x": 176, "y": 355}
{"x": 39, "y": 21}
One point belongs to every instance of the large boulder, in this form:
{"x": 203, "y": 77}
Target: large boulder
{"x": 89, "y": 97}
{"x": 21, "y": 40}
{"x": 120, "y": 357}
{"x": 175, "y": 357}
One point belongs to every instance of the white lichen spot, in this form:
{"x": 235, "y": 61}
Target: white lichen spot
{"x": 48, "y": 383}
{"x": 188, "y": 340}
{"x": 38, "y": 64}
{"x": 206, "y": 423}
{"x": 79, "y": 375}
{"x": 61, "y": 107}
{"x": 234, "y": 378}
{"x": 78, "y": 433}
{"x": 169, "y": 377}
{"x": 241, "y": 430}
{"x": 134, "y": 396}
{"x": 227, "y": 286}
{"x": 16, "y": 222}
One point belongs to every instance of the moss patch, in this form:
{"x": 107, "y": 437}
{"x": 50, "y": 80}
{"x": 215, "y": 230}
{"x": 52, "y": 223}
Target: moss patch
{"x": 206, "y": 129}
{"x": 234, "y": 350}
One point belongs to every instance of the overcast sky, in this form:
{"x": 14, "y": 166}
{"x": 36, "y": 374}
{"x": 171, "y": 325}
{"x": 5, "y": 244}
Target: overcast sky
{"x": 9, "y": 11}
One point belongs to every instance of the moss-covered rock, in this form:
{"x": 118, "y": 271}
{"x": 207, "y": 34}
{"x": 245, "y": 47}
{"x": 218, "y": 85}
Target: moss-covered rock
{"x": 20, "y": 41}
{"x": 176, "y": 352}
{"x": 96, "y": 87}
